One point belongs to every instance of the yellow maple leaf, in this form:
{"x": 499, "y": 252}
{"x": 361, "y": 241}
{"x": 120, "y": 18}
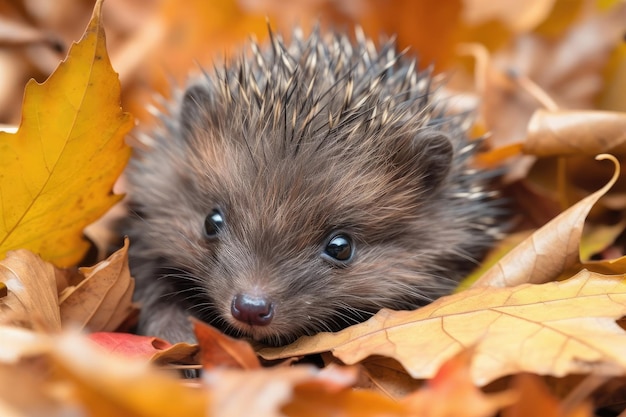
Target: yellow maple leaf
{"x": 57, "y": 171}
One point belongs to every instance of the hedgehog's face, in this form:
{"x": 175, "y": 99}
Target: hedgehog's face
{"x": 279, "y": 241}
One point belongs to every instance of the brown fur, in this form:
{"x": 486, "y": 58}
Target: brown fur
{"x": 293, "y": 144}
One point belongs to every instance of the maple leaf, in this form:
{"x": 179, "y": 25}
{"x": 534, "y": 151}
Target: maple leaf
{"x": 560, "y": 328}
{"x": 57, "y": 171}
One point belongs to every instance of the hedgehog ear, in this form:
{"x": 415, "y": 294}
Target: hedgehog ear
{"x": 428, "y": 157}
{"x": 197, "y": 108}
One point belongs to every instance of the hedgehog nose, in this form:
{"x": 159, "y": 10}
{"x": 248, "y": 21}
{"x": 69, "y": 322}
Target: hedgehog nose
{"x": 255, "y": 311}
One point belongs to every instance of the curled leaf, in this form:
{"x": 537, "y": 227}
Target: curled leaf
{"x": 535, "y": 260}
{"x": 571, "y": 132}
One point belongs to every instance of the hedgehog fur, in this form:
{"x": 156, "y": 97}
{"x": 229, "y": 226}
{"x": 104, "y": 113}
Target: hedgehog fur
{"x": 301, "y": 187}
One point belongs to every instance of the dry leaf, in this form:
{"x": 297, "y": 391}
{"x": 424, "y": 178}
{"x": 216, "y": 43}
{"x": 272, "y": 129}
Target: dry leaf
{"x": 57, "y": 171}
{"x": 535, "y": 260}
{"x": 559, "y": 328}
{"x": 103, "y": 300}
{"x": 219, "y": 350}
{"x": 145, "y": 347}
{"x": 452, "y": 393}
{"x": 32, "y": 296}
{"x": 388, "y": 377}
{"x": 18, "y": 343}
{"x": 568, "y": 69}
{"x": 561, "y": 133}
{"x": 536, "y": 400}
{"x": 108, "y": 385}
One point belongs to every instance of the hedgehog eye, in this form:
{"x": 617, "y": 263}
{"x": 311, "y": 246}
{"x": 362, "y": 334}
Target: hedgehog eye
{"x": 339, "y": 249}
{"x": 213, "y": 223}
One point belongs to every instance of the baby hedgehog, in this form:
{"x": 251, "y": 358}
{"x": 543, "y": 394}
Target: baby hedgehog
{"x": 301, "y": 188}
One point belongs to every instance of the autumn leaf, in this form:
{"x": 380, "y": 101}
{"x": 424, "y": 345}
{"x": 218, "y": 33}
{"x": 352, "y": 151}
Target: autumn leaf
{"x": 536, "y": 400}
{"x": 535, "y": 260}
{"x": 219, "y": 350}
{"x": 576, "y": 133}
{"x": 110, "y": 385}
{"x": 451, "y": 392}
{"x": 57, "y": 171}
{"x": 32, "y": 297}
{"x": 103, "y": 299}
{"x": 18, "y": 343}
{"x": 560, "y": 328}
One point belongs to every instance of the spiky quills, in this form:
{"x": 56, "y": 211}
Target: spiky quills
{"x": 297, "y": 139}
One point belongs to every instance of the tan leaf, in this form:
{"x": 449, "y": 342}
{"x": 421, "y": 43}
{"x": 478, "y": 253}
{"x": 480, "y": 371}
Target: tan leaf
{"x": 388, "y": 377}
{"x": 535, "y": 260}
{"x": 109, "y": 385}
{"x": 32, "y": 290}
{"x": 568, "y": 69}
{"x": 575, "y": 133}
{"x": 103, "y": 299}
{"x": 556, "y": 329}
{"x": 18, "y": 343}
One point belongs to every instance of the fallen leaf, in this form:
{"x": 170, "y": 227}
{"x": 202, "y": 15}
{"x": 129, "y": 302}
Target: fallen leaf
{"x": 103, "y": 300}
{"x": 451, "y": 392}
{"x": 110, "y": 385}
{"x": 567, "y": 70}
{"x": 571, "y": 132}
{"x": 32, "y": 291}
{"x": 536, "y": 400}
{"x": 535, "y": 260}
{"x": 300, "y": 391}
{"x": 18, "y": 343}
{"x": 388, "y": 377}
{"x": 219, "y": 350}
{"x": 559, "y": 328}
{"x": 57, "y": 171}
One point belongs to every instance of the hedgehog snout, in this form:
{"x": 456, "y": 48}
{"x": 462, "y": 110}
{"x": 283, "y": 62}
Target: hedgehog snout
{"x": 252, "y": 310}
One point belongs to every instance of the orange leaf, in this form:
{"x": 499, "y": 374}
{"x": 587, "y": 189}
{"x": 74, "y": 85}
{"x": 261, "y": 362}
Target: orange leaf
{"x": 219, "y": 350}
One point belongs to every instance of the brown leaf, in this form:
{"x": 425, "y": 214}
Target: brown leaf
{"x": 261, "y": 390}
{"x": 108, "y": 385}
{"x": 219, "y": 350}
{"x": 451, "y": 392}
{"x": 18, "y": 343}
{"x": 103, "y": 299}
{"x": 536, "y": 400}
{"x": 32, "y": 296}
{"x": 535, "y": 260}
{"x": 575, "y": 133}
{"x": 388, "y": 377}
{"x": 559, "y": 328}
{"x": 568, "y": 69}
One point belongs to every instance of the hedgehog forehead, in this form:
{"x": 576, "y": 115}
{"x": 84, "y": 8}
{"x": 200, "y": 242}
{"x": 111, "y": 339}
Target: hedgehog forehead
{"x": 315, "y": 88}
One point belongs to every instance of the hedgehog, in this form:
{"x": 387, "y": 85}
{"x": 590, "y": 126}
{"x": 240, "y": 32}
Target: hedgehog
{"x": 301, "y": 187}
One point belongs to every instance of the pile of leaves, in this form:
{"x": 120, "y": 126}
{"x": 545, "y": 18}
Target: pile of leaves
{"x": 536, "y": 330}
